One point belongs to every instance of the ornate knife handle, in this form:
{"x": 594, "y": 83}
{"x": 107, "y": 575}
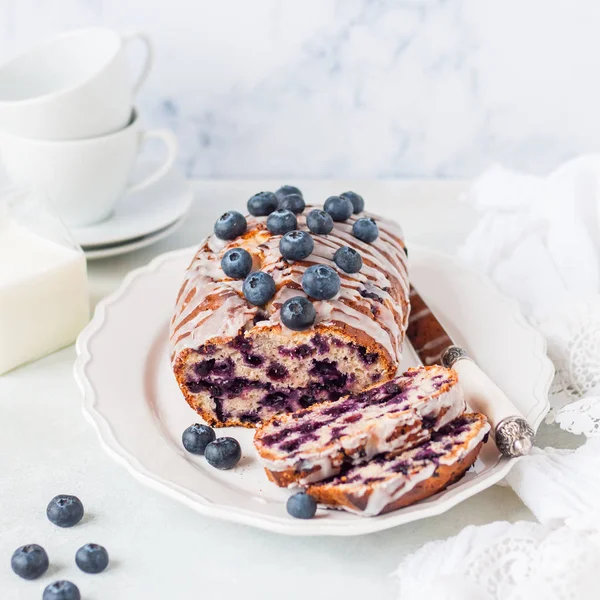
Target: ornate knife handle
{"x": 513, "y": 435}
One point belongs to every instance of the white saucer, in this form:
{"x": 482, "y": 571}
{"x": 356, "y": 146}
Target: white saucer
{"x": 144, "y": 213}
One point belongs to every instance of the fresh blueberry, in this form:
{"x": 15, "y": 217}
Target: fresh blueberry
{"x": 65, "y": 510}
{"x": 348, "y": 259}
{"x": 293, "y": 202}
{"x": 365, "y": 230}
{"x": 223, "y": 453}
{"x": 296, "y": 245}
{"x": 281, "y": 221}
{"x": 30, "y": 561}
{"x": 236, "y": 263}
{"x": 298, "y": 313}
{"x": 287, "y": 190}
{"x": 230, "y": 225}
{"x": 319, "y": 222}
{"x": 262, "y": 204}
{"x": 92, "y": 558}
{"x": 196, "y": 437}
{"x": 61, "y": 590}
{"x": 358, "y": 202}
{"x": 301, "y": 506}
{"x": 258, "y": 288}
{"x": 321, "y": 282}
{"x": 339, "y": 208}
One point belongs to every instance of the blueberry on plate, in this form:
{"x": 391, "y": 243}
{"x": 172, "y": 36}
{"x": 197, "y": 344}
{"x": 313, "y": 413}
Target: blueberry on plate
{"x": 348, "y": 259}
{"x": 358, "y": 203}
{"x": 92, "y": 558}
{"x": 365, "y": 230}
{"x": 196, "y": 437}
{"x": 298, "y": 313}
{"x": 287, "y": 190}
{"x": 339, "y": 208}
{"x": 65, "y": 510}
{"x": 224, "y": 453}
{"x": 61, "y": 590}
{"x": 321, "y": 282}
{"x": 30, "y": 561}
{"x": 258, "y": 288}
{"x": 230, "y": 225}
{"x": 319, "y": 222}
{"x": 293, "y": 202}
{"x": 236, "y": 263}
{"x": 262, "y": 204}
{"x": 282, "y": 221}
{"x": 301, "y": 506}
{"x": 296, "y": 245}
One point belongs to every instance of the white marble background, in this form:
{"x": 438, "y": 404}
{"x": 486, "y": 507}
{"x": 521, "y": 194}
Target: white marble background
{"x": 360, "y": 88}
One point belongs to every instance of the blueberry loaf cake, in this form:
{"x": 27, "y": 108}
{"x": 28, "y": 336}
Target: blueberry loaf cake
{"x": 391, "y": 481}
{"x": 289, "y": 306}
{"x": 316, "y": 443}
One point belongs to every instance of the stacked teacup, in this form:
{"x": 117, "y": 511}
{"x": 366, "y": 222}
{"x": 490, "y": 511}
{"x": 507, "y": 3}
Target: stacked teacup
{"x": 68, "y": 125}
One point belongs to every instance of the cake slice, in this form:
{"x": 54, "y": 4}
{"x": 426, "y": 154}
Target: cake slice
{"x": 389, "y": 482}
{"x": 315, "y": 443}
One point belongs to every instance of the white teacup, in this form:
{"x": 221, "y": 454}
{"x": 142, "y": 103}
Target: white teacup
{"x": 74, "y": 86}
{"x": 84, "y": 179}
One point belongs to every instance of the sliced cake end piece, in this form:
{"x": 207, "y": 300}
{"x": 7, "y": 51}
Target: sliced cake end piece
{"x": 390, "y": 482}
{"x": 315, "y": 443}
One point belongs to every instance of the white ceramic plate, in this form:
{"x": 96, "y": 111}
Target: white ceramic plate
{"x": 131, "y": 397}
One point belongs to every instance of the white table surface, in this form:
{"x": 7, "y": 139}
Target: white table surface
{"x": 160, "y": 549}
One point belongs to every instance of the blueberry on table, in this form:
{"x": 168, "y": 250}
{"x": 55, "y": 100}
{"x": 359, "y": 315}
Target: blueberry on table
{"x": 298, "y": 313}
{"x": 319, "y": 222}
{"x": 196, "y": 437}
{"x": 358, "y": 203}
{"x": 224, "y": 453}
{"x": 230, "y": 225}
{"x": 65, "y": 510}
{"x": 236, "y": 263}
{"x": 30, "y": 561}
{"x": 296, "y": 245}
{"x": 301, "y": 506}
{"x": 365, "y": 230}
{"x": 282, "y": 221}
{"x": 287, "y": 190}
{"x": 293, "y": 202}
{"x": 262, "y": 204}
{"x": 339, "y": 208}
{"x": 258, "y": 288}
{"x": 348, "y": 259}
{"x": 92, "y": 558}
{"x": 321, "y": 282}
{"x": 61, "y": 590}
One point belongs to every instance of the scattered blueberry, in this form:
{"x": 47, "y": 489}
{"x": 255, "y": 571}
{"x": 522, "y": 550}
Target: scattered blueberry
{"x": 321, "y": 282}
{"x": 365, "y": 230}
{"x": 339, "y": 208}
{"x": 296, "y": 245}
{"x": 358, "y": 202}
{"x": 223, "y": 453}
{"x": 281, "y": 221}
{"x": 230, "y": 225}
{"x": 262, "y": 204}
{"x": 236, "y": 263}
{"x": 92, "y": 558}
{"x": 293, "y": 202}
{"x": 196, "y": 437}
{"x": 61, "y": 590}
{"x": 258, "y": 288}
{"x": 319, "y": 222}
{"x": 287, "y": 190}
{"x": 30, "y": 561}
{"x": 301, "y": 506}
{"x": 298, "y": 313}
{"x": 348, "y": 259}
{"x": 65, "y": 510}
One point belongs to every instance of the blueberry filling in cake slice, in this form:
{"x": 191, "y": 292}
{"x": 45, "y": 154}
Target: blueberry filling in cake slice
{"x": 317, "y": 442}
{"x": 392, "y": 481}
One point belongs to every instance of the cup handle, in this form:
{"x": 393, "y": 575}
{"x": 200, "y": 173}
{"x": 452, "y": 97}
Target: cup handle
{"x": 170, "y": 141}
{"x": 145, "y": 39}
